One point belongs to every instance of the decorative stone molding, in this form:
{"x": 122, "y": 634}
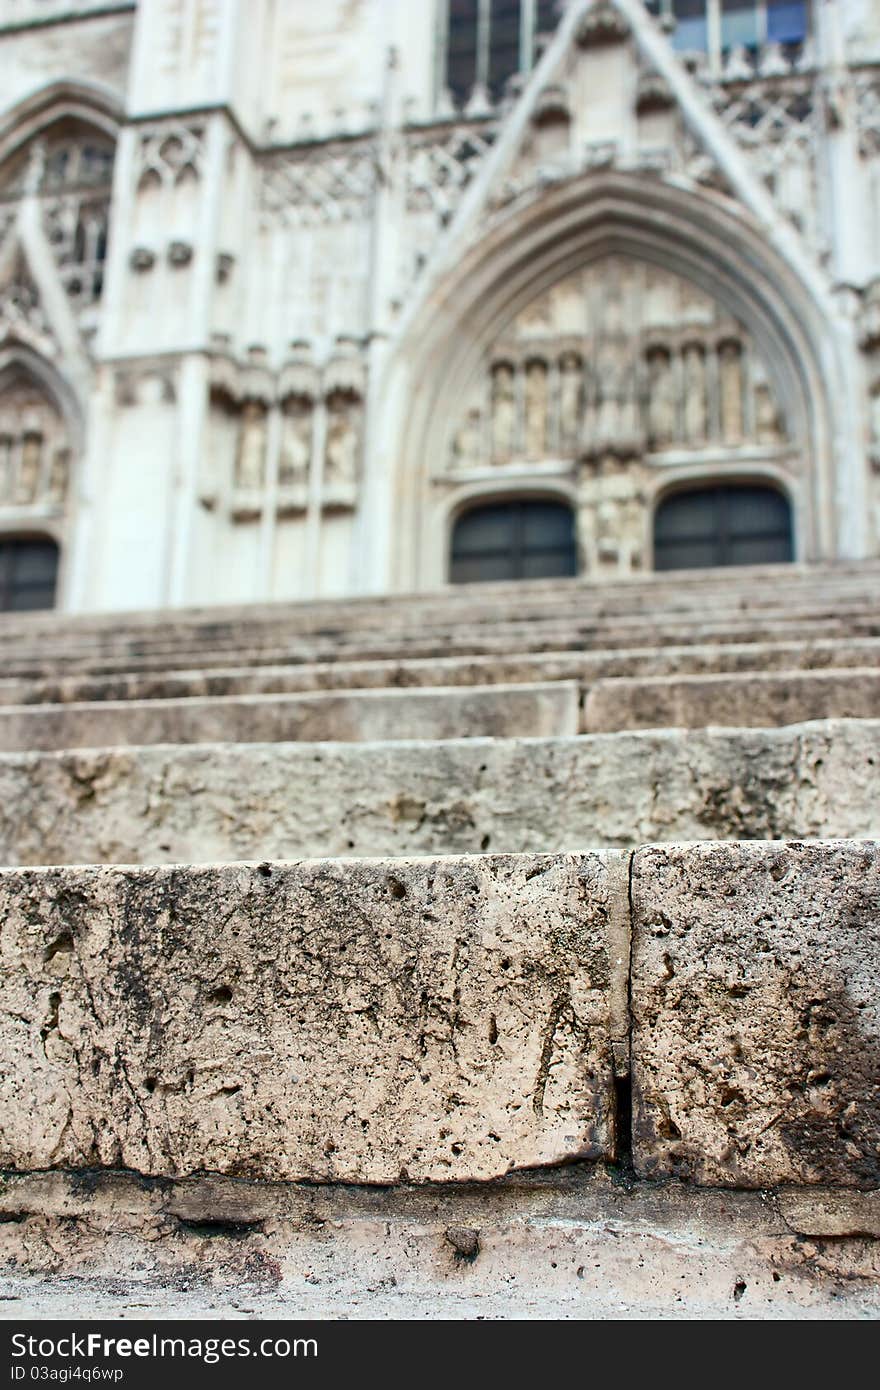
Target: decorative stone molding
{"x": 553, "y": 105}
{"x": 603, "y": 24}
{"x": 652, "y": 93}
{"x": 309, "y": 187}
{"x": 141, "y": 258}
{"x": 180, "y": 253}
{"x": 145, "y": 381}
{"x": 169, "y": 152}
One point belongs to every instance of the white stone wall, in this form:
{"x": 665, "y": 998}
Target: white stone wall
{"x": 312, "y": 255}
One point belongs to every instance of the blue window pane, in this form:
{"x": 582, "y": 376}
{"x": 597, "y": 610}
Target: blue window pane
{"x": 691, "y": 31}
{"x": 787, "y": 21}
{"x": 739, "y": 24}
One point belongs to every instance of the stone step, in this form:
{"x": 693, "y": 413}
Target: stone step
{"x": 370, "y": 1021}
{"x": 499, "y": 640}
{"x": 501, "y": 669}
{"x": 574, "y": 1243}
{"x": 211, "y": 803}
{"x": 499, "y": 710}
{"x": 752, "y": 699}
{"x": 449, "y": 1020}
{"x": 755, "y": 592}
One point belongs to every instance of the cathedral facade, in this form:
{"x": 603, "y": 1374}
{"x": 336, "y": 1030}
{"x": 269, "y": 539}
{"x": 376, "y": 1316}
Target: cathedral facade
{"x": 305, "y": 300}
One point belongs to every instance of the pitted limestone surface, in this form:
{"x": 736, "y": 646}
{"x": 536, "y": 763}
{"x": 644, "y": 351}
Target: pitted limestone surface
{"x": 750, "y": 699}
{"x": 343, "y": 716}
{"x": 568, "y": 1244}
{"x": 756, "y": 1016}
{"x": 365, "y": 1021}
{"x": 227, "y": 802}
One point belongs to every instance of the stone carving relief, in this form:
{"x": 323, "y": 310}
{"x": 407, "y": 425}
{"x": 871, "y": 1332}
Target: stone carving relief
{"x": 319, "y": 434}
{"x": 342, "y": 453}
{"x": 612, "y": 515}
{"x": 34, "y": 449}
{"x": 618, "y": 371}
{"x": 621, "y": 359}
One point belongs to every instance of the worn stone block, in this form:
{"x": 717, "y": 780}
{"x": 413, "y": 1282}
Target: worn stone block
{"x": 360, "y": 1021}
{"x": 743, "y": 700}
{"x": 210, "y": 803}
{"x": 756, "y": 1014}
{"x": 349, "y": 716}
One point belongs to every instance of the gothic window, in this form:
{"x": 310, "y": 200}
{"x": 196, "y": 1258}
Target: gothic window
{"x": 488, "y": 41}
{"x": 69, "y": 168}
{"x": 28, "y": 573}
{"x": 523, "y": 538}
{"x": 722, "y": 525}
{"x": 716, "y": 27}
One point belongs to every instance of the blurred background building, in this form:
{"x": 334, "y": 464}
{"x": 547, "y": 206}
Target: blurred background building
{"x": 306, "y": 299}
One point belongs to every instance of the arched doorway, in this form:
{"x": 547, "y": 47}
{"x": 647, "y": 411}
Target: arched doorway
{"x": 28, "y": 573}
{"x": 722, "y": 524}
{"x": 520, "y": 538}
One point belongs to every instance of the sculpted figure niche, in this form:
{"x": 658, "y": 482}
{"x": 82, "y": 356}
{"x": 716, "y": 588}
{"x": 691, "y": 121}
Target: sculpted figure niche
{"x": 731, "y": 390}
{"x": 662, "y": 399}
{"x": 503, "y": 411}
{"x": 296, "y": 443}
{"x": 343, "y": 440}
{"x": 34, "y": 449}
{"x": 694, "y": 394}
{"x": 536, "y": 410}
{"x": 620, "y": 361}
{"x": 250, "y": 461}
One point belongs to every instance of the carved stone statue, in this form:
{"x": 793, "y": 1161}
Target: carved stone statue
{"x": 536, "y": 410}
{"x": 58, "y": 476}
{"x": 250, "y": 462}
{"x": 875, "y": 424}
{"x": 662, "y": 399}
{"x": 503, "y": 411}
{"x": 5, "y": 469}
{"x": 694, "y": 394}
{"x": 341, "y": 454}
{"x": 730, "y": 379}
{"x": 467, "y": 444}
{"x": 571, "y": 399}
{"x": 767, "y": 423}
{"x": 296, "y": 443}
{"x": 30, "y": 468}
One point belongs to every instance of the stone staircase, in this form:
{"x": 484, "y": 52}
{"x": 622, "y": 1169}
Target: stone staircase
{"x": 508, "y": 951}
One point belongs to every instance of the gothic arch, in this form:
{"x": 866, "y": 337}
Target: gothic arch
{"x": 19, "y": 362}
{"x": 88, "y": 102}
{"x": 703, "y": 238}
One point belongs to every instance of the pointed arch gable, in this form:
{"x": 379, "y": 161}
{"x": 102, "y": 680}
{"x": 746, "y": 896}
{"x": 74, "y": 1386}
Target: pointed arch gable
{"x": 552, "y": 233}
{"x": 90, "y": 102}
{"x": 19, "y": 362}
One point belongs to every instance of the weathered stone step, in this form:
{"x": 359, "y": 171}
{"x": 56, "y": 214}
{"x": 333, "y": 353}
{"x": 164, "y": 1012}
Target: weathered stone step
{"x": 475, "y": 711}
{"x": 569, "y": 1244}
{"x": 501, "y": 669}
{"x": 375, "y": 1021}
{"x": 500, "y": 640}
{"x": 378, "y": 1021}
{"x": 746, "y": 592}
{"x": 752, "y": 699}
{"x": 212, "y": 803}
